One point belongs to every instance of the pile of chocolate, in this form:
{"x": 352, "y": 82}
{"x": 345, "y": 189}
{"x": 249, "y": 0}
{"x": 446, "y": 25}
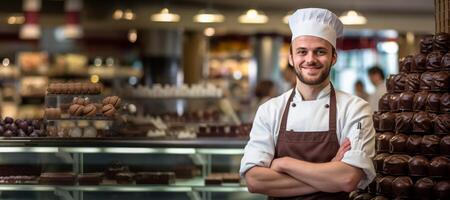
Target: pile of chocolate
{"x": 21, "y": 128}
{"x": 413, "y": 125}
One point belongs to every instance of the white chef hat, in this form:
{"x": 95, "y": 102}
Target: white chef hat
{"x": 317, "y": 22}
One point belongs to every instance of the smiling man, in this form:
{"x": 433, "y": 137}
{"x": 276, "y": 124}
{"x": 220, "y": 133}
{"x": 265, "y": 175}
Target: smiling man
{"x": 312, "y": 142}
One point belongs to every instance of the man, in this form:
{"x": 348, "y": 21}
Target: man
{"x": 376, "y": 76}
{"x": 311, "y": 142}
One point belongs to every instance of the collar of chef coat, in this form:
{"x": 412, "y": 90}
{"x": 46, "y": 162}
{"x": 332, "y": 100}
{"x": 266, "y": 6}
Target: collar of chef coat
{"x": 322, "y": 94}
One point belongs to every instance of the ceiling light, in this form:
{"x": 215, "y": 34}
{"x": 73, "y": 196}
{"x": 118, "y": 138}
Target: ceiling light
{"x": 129, "y": 15}
{"x": 252, "y": 16}
{"x": 132, "y": 35}
{"x": 286, "y": 18}
{"x": 165, "y": 16}
{"x": 209, "y": 31}
{"x": 118, "y": 14}
{"x": 209, "y": 16}
{"x": 16, "y": 19}
{"x": 352, "y": 17}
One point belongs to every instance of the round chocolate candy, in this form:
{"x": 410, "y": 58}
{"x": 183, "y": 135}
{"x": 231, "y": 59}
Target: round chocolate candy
{"x": 418, "y": 166}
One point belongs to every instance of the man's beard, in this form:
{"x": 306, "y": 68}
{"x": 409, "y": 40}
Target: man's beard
{"x": 323, "y": 76}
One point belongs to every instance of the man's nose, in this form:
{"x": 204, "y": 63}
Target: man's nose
{"x": 310, "y": 58}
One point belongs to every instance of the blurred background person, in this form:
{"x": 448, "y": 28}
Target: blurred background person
{"x": 359, "y": 90}
{"x": 376, "y": 76}
{"x": 264, "y": 90}
{"x": 289, "y": 77}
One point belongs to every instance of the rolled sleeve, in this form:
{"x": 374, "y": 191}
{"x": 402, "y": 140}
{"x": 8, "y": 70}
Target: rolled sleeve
{"x": 362, "y": 141}
{"x": 361, "y": 160}
{"x": 260, "y": 149}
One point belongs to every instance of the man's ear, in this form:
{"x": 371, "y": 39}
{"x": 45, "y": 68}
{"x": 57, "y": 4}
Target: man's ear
{"x": 291, "y": 62}
{"x": 334, "y": 59}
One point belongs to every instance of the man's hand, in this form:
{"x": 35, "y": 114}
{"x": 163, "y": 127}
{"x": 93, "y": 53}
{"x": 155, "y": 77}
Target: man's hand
{"x": 278, "y": 163}
{"x": 342, "y": 150}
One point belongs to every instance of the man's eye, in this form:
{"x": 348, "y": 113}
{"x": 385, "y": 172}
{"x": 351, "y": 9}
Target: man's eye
{"x": 301, "y": 52}
{"x": 321, "y": 52}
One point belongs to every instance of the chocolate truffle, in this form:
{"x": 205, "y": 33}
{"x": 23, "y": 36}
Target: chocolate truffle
{"x": 387, "y": 121}
{"x": 426, "y": 44}
{"x": 420, "y": 61}
{"x": 382, "y": 142}
{"x": 445, "y": 62}
{"x": 430, "y": 144}
{"x": 376, "y": 120}
{"x": 372, "y": 188}
{"x": 397, "y": 144}
{"x": 402, "y": 187}
{"x": 426, "y": 81}
{"x": 439, "y": 167}
{"x": 403, "y": 122}
{"x": 444, "y": 145}
{"x": 422, "y": 122}
{"x": 420, "y": 101}
{"x": 433, "y": 102}
{"x": 393, "y": 102}
{"x": 412, "y": 82}
{"x": 442, "y": 124}
{"x": 413, "y": 144}
{"x": 434, "y": 61}
{"x": 405, "y": 101}
{"x": 441, "y": 81}
{"x": 383, "y": 103}
{"x": 390, "y": 83}
{"x": 384, "y": 187}
{"x": 399, "y": 82}
{"x": 442, "y": 190}
{"x": 445, "y": 103}
{"x": 418, "y": 166}
{"x": 423, "y": 188}
{"x": 378, "y": 161}
{"x": 396, "y": 165}
{"x": 407, "y": 64}
{"x": 441, "y": 42}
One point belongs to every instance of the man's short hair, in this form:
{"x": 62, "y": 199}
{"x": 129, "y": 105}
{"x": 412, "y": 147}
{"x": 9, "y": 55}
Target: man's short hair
{"x": 376, "y": 70}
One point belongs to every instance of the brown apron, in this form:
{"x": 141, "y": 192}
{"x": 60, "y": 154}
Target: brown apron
{"x": 316, "y": 147}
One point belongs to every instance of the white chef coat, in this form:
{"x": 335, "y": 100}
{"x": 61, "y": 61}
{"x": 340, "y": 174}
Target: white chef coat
{"x": 313, "y": 116}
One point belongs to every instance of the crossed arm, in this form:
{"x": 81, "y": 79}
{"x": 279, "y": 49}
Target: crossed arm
{"x": 290, "y": 177}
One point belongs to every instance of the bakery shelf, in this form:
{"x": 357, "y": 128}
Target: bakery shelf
{"x": 83, "y": 118}
{"x": 204, "y": 145}
{"x": 221, "y": 188}
{"x": 17, "y": 187}
{"x": 126, "y": 188}
{"x": 71, "y": 95}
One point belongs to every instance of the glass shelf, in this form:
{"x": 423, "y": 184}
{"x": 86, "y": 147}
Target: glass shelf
{"x": 181, "y": 185}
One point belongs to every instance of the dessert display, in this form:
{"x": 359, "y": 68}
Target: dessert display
{"x": 413, "y": 125}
